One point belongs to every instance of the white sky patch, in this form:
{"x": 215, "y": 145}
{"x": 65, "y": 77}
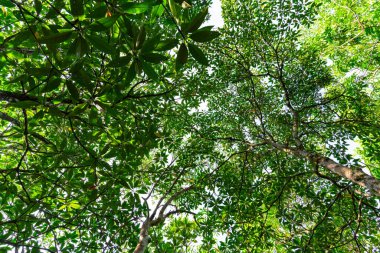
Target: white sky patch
{"x": 216, "y": 18}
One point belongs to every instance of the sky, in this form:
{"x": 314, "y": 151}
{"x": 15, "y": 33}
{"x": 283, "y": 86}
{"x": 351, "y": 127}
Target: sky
{"x": 215, "y": 14}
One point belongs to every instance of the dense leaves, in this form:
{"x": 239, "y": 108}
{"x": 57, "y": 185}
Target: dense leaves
{"x": 132, "y": 126}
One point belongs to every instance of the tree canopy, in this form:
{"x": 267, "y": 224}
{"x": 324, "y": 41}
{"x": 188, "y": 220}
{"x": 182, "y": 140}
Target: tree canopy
{"x": 131, "y": 126}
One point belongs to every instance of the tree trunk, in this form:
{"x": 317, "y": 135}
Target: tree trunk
{"x": 355, "y": 175}
{"x": 144, "y": 238}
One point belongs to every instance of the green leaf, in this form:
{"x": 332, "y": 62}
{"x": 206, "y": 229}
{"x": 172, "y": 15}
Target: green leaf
{"x": 24, "y": 104}
{"x": 154, "y": 58}
{"x": 77, "y": 110}
{"x": 55, "y": 38}
{"x": 156, "y": 12}
{"x": 149, "y": 71}
{"x": 204, "y": 36}
{"x": 197, "y": 21}
{"x": 103, "y": 23}
{"x": 136, "y": 8}
{"x": 72, "y": 90}
{"x": 166, "y": 44}
{"x": 77, "y": 7}
{"x": 120, "y": 62}
{"x": 100, "y": 44}
{"x": 6, "y": 3}
{"x": 197, "y": 53}
{"x": 38, "y": 6}
{"x": 79, "y": 47}
{"x": 150, "y": 44}
{"x": 182, "y": 56}
{"x": 140, "y": 38}
{"x": 52, "y": 84}
{"x": 175, "y": 9}
{"x": 131, "y": 73}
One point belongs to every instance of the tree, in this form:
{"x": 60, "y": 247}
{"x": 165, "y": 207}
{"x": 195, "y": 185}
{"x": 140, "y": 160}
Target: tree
{"x": 114, "y": 139}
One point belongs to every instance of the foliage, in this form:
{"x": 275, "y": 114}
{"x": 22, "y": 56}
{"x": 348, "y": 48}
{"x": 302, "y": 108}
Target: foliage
{"x": 120, "y": 133}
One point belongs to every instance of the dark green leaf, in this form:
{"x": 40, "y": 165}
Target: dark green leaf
{"x": 77, "y": 7}
{"x": 6, "y": 3}
{"x": 197, "y": 21}
{"x": 100, "y": 43}
{"x": 154, "y": 58}
{"x": 131, "y": 73}
{"x": 140, "y": 38}
{"x": 120, "y": 62}
{"x": 103, "y": 23}
{"x": 149, "y": 71}
{"x": 197, "y": 53}
{"x": 166, "y": 44}
{"x": 72, "y": 90}
{"x": 79, "y": 47}
{"x": 24, "y": 104}
{"x": 38, "y": 6}
{"x": 150, "y": 44}
{"x": 55, "y": 38}
{"x": 182, "y": 56}
{"x": 204, "y": 36}
{"x": 52, "y": 84}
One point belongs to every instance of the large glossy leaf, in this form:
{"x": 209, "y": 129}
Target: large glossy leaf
{"x": 197, "y": 53}
{"x": 182, "y": 56}
{"x": 55, "y": 38}
{"x": 100, "y": 43}
{"x": 204, "y": 36}
{"x": 196, "y": 21}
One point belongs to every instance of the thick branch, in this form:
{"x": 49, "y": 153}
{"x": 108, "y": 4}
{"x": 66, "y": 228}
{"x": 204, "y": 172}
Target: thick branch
{"x": 355, "y": 175}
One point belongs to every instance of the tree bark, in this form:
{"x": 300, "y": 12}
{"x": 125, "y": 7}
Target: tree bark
{"x": 144, "y": 237}
{"x": 353, "y": 174}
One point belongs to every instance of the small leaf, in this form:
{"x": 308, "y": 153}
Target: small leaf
{"x": 197, "y": 21}
{"x": 149, "y": 71}
{"x": 182, "y": 56}
{"x": 100, "y": 44}
{"x": 52, "y": 84}
{"x": 166, "y": 45}
{"x": 120, "y": 62}
{"x": 204, "y": 36}
{"x": 197, "y": 53}
{"x": 77, "y": 7}
{"x": 154, "y": 58}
